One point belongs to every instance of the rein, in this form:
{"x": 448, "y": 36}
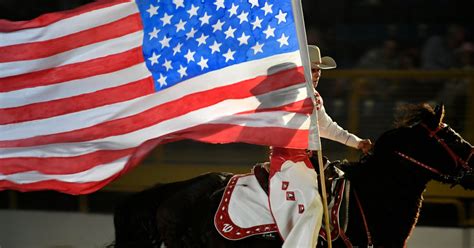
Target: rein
{"x": 369, "y": 236}
{"x": 422, "y": 164}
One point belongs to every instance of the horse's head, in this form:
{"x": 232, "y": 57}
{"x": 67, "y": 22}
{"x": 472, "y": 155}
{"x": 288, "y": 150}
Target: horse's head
{"x": 433, "y": 146}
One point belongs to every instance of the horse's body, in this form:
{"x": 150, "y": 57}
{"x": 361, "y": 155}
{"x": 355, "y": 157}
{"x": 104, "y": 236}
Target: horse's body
{"x": 389, "y": 184}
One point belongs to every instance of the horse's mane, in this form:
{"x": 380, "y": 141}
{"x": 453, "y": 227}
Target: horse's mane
{"x": 408, "y": 115}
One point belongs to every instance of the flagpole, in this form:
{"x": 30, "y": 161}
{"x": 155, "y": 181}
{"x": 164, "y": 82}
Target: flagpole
{"x": 324, "y": 196}
{"x": 314, "y": 140}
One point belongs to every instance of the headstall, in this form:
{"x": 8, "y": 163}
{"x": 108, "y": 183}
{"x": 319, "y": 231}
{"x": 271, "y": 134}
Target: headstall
{"x": 457, "y": 159}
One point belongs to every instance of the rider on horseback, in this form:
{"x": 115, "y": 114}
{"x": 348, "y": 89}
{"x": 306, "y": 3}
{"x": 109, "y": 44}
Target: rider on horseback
{"x": 294, "y": 199}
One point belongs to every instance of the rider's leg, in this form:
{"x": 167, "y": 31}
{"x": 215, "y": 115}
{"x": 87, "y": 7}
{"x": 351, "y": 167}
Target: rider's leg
{"x": 294, "y": 199}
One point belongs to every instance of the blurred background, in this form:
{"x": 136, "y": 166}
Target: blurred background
{"x": 388, "y": 53}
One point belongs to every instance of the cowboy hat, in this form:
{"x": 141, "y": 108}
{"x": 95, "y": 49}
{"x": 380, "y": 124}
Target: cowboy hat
{"x": 325, "y": 62}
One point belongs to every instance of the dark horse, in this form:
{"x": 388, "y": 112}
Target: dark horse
{"x": 389, "y": 183}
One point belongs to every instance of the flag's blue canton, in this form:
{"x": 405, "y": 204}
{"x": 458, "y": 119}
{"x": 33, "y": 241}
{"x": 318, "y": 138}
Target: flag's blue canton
{"x": 186, "y": 38}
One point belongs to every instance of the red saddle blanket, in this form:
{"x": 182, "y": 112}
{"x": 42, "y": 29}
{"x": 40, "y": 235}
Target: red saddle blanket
{"x": 244, "y": 209}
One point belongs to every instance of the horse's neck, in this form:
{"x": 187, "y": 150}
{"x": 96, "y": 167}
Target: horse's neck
{"x": 396, "y": 175}
{"x": 390, "y": 197}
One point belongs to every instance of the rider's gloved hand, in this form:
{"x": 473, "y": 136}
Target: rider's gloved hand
{"x": 365, "y": 145}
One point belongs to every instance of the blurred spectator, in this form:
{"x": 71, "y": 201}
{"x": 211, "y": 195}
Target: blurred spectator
{"x": 375, "y": 92}
{"x": 382, "y": 57}
{"x": 464, "y": 56}
{"x": 441, "y": 52}
{"x": 438, "y": 51}
{"x": 454, "y": 93}
{"x": 409, "y": 58}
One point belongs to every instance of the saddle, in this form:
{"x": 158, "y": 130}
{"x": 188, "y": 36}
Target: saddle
{"x": 244, "y": 209}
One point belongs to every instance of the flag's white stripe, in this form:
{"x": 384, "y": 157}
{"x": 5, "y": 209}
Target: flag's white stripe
{"x": 70, "y": 25}
{"x": 267, "y": 119}
{"x": 233, "y": 74}
{"x": 95, "y": 174}
{"x": 81, "y": 54}
{"x": 74, "y": 87}
{"x": 210, "y": 114}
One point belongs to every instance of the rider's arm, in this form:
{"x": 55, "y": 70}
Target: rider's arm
{"x": 329, "y": 129}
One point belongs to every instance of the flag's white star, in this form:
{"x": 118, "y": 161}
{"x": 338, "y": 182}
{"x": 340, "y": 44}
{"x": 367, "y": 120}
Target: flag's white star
{"x": 180, "y": 25}
{"x": 153, "y": 10}
{"x": 205, "y": 19}
{"x": 243, "y": 17}
{"x": 154, "y": 58}
{"x": 269, "y": 32}
{"x": 162, "y": 80}
{"x": 257, "y": 23}
{"x": 177, "y": 49}
{"x": 165, "y": 42}
{"x": 178, "y": 3}
{"x": 203, "y": 63}
{"x": 233, "y": 10}
{"x": 229, "y": 55}
{"x": 215, "y": 47}
{"x": 230, "y": 32}
{"x": 243, "y": 39}
{"x": 193, "y": 11}
{"x": 154, "y": 33}
{"x": 182, "y": 71}
{"x": 190, "y": 56}
{"x": 190, "y": 34}
{"x": 267, "y": 8}
{"x": 281, "y": 17}
{"x": 254, "y": 3}
{"x": 217, "y": 26}
{"x": 202, "y": 40}
{"x": 167, "y": 65}
{"x": 166, "y": 19}
{"x": 219, "y": 4}
{"x": 257, "y": 48}
{"x": 283, "y": 40}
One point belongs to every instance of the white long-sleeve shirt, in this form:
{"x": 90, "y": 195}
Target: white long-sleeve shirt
{"x": 329, "y": 129}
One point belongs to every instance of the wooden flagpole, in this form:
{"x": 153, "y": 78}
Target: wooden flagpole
{"x": 324, "y": 196}
{"x": 303, "y": 44}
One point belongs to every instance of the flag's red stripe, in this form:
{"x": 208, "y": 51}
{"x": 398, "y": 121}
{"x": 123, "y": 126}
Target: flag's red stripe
{"x": 228, "y": 133}
{"x": 61, "y": 165}
{"x": 50, "y": 18}
{"x": 72, "y": 104}
{"x": 169, "y": 110}
{"x": 80, "y": 70}
{"x": 303, "y": 107}
{"x": 87, "y": 187}
{"x": 51, "y": 47}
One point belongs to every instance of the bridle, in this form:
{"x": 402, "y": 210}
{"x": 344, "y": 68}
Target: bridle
{"x": 458, "y": 161}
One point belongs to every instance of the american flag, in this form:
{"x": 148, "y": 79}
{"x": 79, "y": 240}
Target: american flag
{"x": 86, "y": 94}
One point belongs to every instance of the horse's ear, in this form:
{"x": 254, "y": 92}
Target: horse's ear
{"x": 439, "y": 113}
